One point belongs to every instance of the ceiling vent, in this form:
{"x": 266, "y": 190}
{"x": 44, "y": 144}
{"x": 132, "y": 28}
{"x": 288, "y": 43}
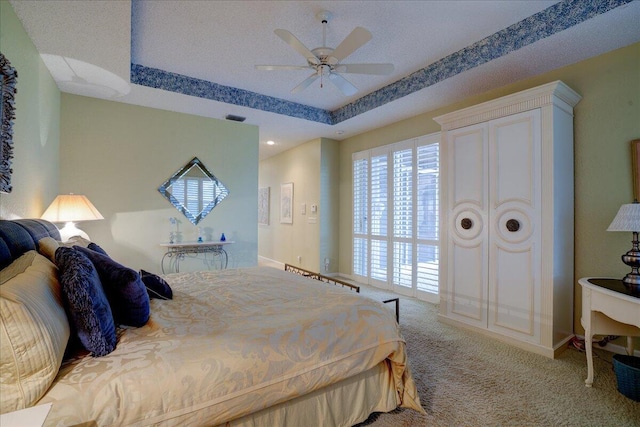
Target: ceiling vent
{"x": 235, "y": 118}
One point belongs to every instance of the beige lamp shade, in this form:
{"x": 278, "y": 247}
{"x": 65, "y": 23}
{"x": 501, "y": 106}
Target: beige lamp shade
{"x": 71, "y": 208}
{"x": 627, "y": 219}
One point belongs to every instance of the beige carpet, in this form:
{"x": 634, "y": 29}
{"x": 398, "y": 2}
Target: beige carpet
{"x": 465, "y": 379}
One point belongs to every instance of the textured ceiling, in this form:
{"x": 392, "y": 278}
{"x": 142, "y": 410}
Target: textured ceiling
{"x": 89, "y": 47}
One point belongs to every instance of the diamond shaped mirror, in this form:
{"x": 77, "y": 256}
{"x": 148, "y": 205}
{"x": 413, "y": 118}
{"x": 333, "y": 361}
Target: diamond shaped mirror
{"x": 194, "y": 191}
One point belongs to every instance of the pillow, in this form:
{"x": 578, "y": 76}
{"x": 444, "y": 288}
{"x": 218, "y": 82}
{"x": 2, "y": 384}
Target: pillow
{"x": 156, "y": 286}
{"x": 34, "y": 331}
{"x": 17, "y": 266}
{"x": 95, "y": 247}
{"x": 76, "y": 241}
{"x": 47, "y": 246}
{"x": 125, "y": 290}
{"x": 86, "y": 302}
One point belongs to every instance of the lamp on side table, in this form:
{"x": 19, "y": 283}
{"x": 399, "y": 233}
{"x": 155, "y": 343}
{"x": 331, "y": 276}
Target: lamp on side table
{"x": 628, "y": 219}
{"x": 71, "y": 208}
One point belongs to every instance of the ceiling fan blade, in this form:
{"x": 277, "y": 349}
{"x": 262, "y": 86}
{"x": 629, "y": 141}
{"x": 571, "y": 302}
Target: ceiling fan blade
{"x": 343, "y": 84}
{"x": 281, "y": 67}
{"x": 357, "y": 38}
{"x": 376, "y": 69}
{"x": 305, "y": 83}
{"x": 297, "y": 45}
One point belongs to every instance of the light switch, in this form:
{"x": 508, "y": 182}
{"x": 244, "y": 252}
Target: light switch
{"x": 303, "y": 208}
{"x": 314, "y": 208}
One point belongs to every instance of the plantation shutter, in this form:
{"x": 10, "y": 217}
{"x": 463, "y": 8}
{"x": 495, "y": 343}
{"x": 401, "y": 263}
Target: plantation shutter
{"x": 360, "y": 215}
{"x": 428, "y": 216}
{"x": 403, "y": 217}
{"x": 395, "y": 216}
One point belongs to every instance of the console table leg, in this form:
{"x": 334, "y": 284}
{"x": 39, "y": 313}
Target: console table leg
{"x": 630, "y": 346}
{"x": 588, "y": 344}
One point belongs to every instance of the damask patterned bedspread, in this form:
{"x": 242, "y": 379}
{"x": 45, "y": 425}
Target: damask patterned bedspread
{"x": 230, "y": 343}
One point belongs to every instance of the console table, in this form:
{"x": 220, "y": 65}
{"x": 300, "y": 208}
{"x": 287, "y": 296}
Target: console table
{"x": 175, "y": 252}
{"x": 608, "y": 308}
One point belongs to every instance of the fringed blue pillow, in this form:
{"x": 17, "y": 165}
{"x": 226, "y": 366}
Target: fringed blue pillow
{"x": 125, "y": 291}
{"x": 86, "y": 302}
{"x": 156, "y": 286}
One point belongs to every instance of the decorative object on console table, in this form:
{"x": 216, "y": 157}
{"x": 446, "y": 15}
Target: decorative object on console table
{"x": 8, "y": 80}
{"x": 70, "y": 208}
{"x": 628, "y": 219}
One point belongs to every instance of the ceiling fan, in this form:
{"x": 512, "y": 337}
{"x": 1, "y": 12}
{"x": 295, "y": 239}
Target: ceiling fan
{"x": 325, "y": 61}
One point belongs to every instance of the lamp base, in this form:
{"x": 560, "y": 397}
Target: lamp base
{"x": 631, "y": 279}
{"x": 70, "y": 230}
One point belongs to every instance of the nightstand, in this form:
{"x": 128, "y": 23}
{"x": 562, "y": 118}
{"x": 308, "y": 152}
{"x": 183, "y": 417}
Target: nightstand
{"x": 608, "y": 308}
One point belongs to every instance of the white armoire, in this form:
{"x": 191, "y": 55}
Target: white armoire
{"x": 506, "y": 267}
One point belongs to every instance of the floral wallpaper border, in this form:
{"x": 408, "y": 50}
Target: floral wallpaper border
{"x": 552, "y": 20}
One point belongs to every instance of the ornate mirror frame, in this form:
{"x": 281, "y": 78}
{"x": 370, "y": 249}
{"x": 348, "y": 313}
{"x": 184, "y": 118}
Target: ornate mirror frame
{"x": 215, "y": 192}
{"x": 8, "y": 80}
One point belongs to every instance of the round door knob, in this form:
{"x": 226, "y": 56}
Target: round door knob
{"x": 466, "y": 223}
{"x": 513, "y": 225}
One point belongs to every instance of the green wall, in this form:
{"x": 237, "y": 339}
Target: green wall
{"x": 119, "y": 154}
{"x": 605, "y": 121}
{"x": 36, "y": 129}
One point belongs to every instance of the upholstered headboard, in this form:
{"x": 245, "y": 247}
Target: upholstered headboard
{"x": 22, "y": 235}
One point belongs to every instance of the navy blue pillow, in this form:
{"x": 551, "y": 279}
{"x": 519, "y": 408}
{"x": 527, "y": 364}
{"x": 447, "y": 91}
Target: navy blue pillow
{"x": 157, "y": 287}
{"x": 95, "y": 247}
{"x": 86, "y": 302}
{"x": 124, "y": 288}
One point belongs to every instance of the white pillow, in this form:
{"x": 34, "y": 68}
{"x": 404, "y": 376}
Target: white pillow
{"x": 47, "y": 246}
{"x": 34, "y": 331}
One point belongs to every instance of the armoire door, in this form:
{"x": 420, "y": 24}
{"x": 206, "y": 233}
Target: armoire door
{"x": 467, "y": 157}
{"x": 514, "y": 225}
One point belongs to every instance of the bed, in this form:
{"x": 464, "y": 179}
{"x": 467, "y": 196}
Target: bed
{"x": 242, "y": 347}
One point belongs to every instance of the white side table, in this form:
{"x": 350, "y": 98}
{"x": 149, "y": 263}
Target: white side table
{"x": 177, "y": 252}
{"x": 608, "y": 308}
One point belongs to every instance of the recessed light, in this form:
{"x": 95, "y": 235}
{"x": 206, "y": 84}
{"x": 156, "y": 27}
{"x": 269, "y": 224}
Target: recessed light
{"x": 271, "y": 143}
{"x": 339, "y": 132}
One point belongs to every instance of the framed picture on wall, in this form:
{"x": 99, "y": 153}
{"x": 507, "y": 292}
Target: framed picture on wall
{"x": 635, "y": 161}
{"x": 263, "y": 206}
{"x": 286, "y": 203}
{"x": 8, "y": 80}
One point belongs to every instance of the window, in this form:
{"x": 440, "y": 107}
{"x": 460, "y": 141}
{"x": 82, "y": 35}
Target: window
{"x": 395, "y": 216}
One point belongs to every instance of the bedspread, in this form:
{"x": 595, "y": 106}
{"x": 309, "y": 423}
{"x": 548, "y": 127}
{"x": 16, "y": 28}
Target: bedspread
{"x": 230, "y": 343}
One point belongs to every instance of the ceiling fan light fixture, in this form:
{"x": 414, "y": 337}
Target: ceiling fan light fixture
{"x": 325, "y": 61}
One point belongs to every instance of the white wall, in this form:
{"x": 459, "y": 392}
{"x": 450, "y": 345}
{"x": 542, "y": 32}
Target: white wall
{"x": 119, "y": 154}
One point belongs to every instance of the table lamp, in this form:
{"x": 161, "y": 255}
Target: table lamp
{"x": 628, "y": 219}
{"x": 70, "y": 208}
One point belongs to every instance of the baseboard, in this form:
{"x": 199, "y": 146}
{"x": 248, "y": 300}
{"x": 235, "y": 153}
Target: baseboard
{"x": 265, "y": 260}
{"x": 612, "y": 348}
